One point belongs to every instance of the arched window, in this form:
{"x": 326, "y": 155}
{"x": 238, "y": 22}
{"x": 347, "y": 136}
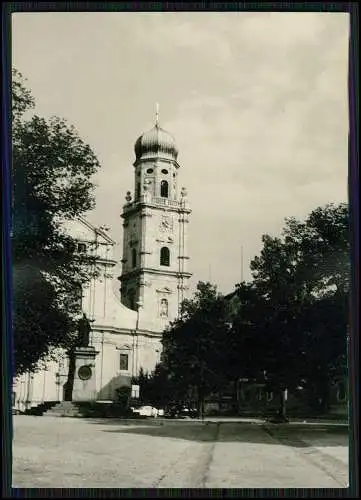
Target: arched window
{"x": 164, "y": 189}
{"x": 134, "y": 257}
{"x": 164, "y": 308}
{"x": 164, "y": 256}
{"x": 138, "y": 190}
{"x": 123, "y": 361}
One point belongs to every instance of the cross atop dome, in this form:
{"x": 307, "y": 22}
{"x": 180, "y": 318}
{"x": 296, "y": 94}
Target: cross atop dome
{"x": 156, "y": 114}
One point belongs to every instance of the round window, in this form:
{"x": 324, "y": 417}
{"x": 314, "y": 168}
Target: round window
{"x": 85, "y": 372}
{"x": 149, "y": 171}
{"x": 164, "y": 171}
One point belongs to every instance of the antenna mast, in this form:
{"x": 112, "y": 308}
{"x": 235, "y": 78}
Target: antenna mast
{"x": 242, "y": 264}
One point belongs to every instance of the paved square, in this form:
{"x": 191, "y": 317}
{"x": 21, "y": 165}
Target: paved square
{"x": 86, "y": 453}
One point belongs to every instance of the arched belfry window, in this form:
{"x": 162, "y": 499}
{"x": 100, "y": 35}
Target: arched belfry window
{"x": 164, "y": 189}
{"x": 164, "y": 256}
{"x": 134, "y": 257}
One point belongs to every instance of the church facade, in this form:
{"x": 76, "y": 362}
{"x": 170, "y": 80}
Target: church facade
{"x": 128, "y": 313}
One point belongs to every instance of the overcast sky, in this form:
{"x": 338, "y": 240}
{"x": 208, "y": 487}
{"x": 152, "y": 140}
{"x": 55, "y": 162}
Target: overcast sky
{"x": 257, "y": 103}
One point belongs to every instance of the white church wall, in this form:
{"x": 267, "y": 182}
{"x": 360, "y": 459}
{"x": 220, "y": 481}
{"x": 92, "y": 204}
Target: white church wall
{"x": 162, "y": 287}
{"x": 149, "y": 353}
{"x": 108, "y": 374}
{"x": 45, "y": 384}
{"x": 142, "y": 352}
{"x": 96, "y": 294}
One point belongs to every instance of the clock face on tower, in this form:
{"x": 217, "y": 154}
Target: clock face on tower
{"x": 166, "y": 223}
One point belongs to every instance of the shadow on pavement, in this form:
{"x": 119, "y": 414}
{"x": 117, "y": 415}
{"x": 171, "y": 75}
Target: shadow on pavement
{"x": 300, "y": 436}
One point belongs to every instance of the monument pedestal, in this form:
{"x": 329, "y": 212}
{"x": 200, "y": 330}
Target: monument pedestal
{"x": 84, "y": 388}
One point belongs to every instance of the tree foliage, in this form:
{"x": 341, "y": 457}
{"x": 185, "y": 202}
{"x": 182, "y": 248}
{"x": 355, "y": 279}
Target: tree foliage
{"x": 287, "y": 328}
{"x": 52, "y": 169}
{"x": 302, "y": 280}
{"x": 192, "y": 350}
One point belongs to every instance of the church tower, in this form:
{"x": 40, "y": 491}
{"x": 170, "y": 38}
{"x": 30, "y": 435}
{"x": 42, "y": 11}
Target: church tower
{"x": 155, "y": 219}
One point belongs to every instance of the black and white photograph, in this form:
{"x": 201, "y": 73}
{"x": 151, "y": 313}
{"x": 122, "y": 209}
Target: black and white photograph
{"x": 180, "y": 246}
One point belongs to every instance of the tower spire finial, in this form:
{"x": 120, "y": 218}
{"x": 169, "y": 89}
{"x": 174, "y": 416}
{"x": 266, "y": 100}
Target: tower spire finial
{"x": 156, "y": 114}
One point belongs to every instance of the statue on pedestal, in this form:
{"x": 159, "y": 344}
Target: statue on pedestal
{"x": 84, "y": 329}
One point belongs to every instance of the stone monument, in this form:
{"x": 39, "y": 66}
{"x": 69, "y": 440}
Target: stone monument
{"x": 84, "y": 387}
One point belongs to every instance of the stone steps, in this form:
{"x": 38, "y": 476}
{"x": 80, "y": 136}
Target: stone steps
{"x": 41, "y": 408}
{"x": 65, "y": 409}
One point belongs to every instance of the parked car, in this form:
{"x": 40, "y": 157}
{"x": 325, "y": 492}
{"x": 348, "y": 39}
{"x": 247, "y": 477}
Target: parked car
{"x": 189, "y": 412}
{"x": 181, "y": 412}
{"x": 148, "y": 411}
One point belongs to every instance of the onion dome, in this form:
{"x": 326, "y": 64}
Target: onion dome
{"x": 156, "y": 142}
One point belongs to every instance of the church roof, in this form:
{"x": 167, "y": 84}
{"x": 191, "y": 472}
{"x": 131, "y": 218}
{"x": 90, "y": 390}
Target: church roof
{"x": 81, "y": 229}
{"x": 156, "y": 141}
{"x": 117, "y": 315}
{"x": 98, "y": 230}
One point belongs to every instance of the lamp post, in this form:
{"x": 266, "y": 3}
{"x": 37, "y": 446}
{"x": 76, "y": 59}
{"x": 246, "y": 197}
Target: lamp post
{"x": 135, "y": 360}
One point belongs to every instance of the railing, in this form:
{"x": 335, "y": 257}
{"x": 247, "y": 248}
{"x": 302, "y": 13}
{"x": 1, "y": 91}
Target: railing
{"x": 154, "y": 200}
{"x": 165, "y": 201}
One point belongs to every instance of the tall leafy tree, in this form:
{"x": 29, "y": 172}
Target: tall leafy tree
{"x": 194, "y": 354}
{"x": 52, "y": 169}
{"x": 326, "y": 266}
{"x": 245, "y": 355}
{"x": 159, "y": 388}
{"x": 286, "y": 328}
{"x": 302, "y": 280}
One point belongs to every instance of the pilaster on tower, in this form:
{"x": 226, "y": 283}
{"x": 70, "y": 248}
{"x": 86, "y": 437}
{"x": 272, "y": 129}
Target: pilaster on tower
{"x": 155, "y": 221}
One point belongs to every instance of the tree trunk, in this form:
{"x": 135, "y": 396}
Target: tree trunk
{"x": 319, "y": 397}
{"x": 325, "y": 397}
{"x": 201, "y": 393}
{"x": 282, "y": 408}
{"x": 200, "y": 402}
{"x": 201, "y": 407}
{"x": 236, "y": 396}
{"x": 220, "y": 400}
{"x": 68, "y": 395}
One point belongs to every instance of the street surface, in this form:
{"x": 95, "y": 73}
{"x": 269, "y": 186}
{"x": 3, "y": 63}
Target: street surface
{"x": 53, "y": 452}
